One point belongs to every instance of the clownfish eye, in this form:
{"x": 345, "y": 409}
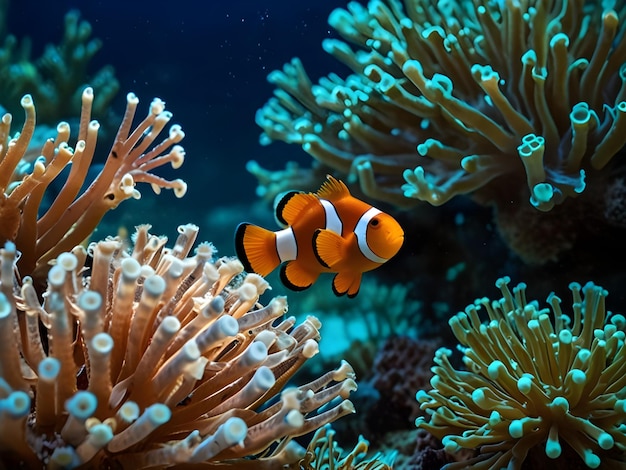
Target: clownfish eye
{"x": 374, "y": 222}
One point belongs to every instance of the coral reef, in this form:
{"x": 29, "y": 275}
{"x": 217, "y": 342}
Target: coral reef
{"x": 550, "y": 389}
{"x": 41, "y": 234}
{"x": 135, "y": 354}
{"x": 154, "y": 357}
{"x": 57, "y": 78}
{"x": 518, "y": 104}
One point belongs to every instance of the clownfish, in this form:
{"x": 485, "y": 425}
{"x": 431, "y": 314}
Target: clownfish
{"x": 328, "y": 231}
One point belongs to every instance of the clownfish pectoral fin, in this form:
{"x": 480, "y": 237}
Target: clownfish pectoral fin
{"x": 256, "y": 248}
{"x": 347, "y": 283}
{"x": 291, "y": 205}
{"x": 328, "y": 247}
{"x": 295, "y": 277}
{"x": 333, "y": 189}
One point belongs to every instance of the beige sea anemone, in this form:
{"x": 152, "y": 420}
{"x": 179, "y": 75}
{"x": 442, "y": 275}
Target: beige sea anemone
{"x": 154, "y": 357}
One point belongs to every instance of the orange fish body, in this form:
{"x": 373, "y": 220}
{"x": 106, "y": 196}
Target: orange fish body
{"x": 327, "y": 231}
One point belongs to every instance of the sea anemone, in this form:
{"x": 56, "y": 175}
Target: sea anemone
{"x": 536, "y": 380}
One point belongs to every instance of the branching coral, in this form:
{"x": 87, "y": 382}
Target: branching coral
{"x": 507, "y": 101}
{"x": 56, "y": 79}
{"x": 324, "y": 453}
{"x": 533, "y": 384}
{"x": 72, "y": 216}
{"x": 154, "y": 358}
{"x": 273, "y": 183}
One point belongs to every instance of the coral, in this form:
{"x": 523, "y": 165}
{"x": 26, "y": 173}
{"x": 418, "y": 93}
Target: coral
{"x": 154, "y": 357}
{"x": 534, "y": 385}
{"x": 324, "y": 453}
{"x": 41, "y": 235}
{"x": 514, "y": 103}
{"x": 413, "y": 449}
{"x": 56, "y": 79}
{"x": 401, "y": 366}
{"x": 427, "y": 453}
{"x": 273, "y": 183}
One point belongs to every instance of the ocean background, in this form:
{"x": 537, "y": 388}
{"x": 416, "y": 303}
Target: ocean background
{"x": 209, "y": 62}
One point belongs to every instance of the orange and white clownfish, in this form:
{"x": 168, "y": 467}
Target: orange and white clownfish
{"x": 327, "y": 231}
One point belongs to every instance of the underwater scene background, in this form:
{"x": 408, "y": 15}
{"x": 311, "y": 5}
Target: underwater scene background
{"x": 492, "y": 131}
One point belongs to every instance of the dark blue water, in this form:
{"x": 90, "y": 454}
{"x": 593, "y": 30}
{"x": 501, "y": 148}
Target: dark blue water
{"x": 208, "y": 61}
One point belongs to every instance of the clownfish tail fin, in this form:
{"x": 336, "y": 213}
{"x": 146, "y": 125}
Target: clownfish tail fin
{"x": 256, "y": 248}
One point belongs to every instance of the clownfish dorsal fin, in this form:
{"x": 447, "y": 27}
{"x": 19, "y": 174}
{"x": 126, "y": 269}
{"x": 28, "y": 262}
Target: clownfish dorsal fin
{"x": 291, "y": 205}
{"x": 333, "y": 189}
{"x": 328, "y": 247}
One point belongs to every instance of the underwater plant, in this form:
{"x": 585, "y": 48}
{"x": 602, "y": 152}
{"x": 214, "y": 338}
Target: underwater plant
{"x": 56, "y": 79}
{"x": 538, "y": 382}
{"x": 520, "y": 105}
{"x": 42, "y": 232}
{"x": 154, "y": 357}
